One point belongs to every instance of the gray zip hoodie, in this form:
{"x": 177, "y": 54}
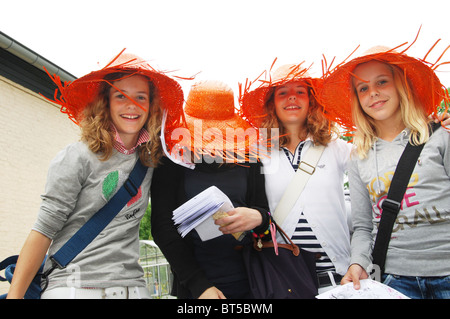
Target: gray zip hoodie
{"x": 420, "y": 242}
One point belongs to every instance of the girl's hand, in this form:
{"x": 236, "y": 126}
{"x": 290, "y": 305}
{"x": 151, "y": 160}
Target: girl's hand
{"x": 240, "y": 219}
{"x": 354, "y": 273}
{"x": 212, "y": 293}
{"x": 30, "y": 259}
{"x": 444, "y": 119}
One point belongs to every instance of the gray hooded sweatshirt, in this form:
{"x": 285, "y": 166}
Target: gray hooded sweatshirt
{"x": 420, "y": 241}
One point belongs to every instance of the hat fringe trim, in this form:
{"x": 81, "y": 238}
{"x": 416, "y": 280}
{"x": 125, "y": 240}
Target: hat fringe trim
{"x": 61, "y": 101}
{"x": 249, "y": 153}
{"x": 114, "y": 59}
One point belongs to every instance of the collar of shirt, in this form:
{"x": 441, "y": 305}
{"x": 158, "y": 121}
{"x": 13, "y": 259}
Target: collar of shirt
{"x": 144, "y": 137}
{"x": 294, "y": 160}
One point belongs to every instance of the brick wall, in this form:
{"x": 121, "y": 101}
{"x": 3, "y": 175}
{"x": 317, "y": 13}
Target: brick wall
{"x": 32, "y": 132}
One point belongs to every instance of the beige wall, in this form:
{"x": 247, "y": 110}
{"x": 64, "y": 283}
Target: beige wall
{"x": 32, "y": 132}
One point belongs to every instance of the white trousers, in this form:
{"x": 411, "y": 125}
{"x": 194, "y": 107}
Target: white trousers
{"x": 97, "y": 293}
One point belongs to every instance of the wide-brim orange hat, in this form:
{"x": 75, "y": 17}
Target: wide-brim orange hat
{"x": 214, "y": 124}
{"x": 73, "y": 97}
{"x": 336, "y": 95}
{"x": 253, "y": 102}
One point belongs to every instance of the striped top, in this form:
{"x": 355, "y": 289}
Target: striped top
{"x": 303, "y": 235}
{"x": 294, "y": 160}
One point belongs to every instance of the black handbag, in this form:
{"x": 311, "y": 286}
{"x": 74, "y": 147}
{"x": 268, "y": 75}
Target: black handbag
{"x": 280, "y": 271}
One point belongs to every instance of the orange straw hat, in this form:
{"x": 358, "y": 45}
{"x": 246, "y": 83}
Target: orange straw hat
{"x": 75, "y": 96}
{"x": 253, "y": 102}
{"x": 336, "y": 95}
{"x": 214, "y": 125}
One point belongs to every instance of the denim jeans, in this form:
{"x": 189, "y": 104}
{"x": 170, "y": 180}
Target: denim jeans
{"x": 420, "y": 287}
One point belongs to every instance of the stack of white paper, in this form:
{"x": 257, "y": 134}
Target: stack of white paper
{"x": 197, "y": 213}
{"x": 370, "y": 289}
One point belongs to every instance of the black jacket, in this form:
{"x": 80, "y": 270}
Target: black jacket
{"x": 218, "y": 262}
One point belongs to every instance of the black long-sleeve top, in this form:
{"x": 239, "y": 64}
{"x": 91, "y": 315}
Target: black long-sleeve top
{"x": 217, "y": 262}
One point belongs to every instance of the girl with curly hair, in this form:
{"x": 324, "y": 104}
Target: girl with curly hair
{"x": 318, "y": 221}
{"x": 119, "y": 110}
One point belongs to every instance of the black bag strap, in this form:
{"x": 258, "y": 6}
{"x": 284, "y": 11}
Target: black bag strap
{"x": 391, "y": 205}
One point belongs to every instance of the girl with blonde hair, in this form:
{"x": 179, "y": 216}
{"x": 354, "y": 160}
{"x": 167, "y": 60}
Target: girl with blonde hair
{"x": 388, "y": 96}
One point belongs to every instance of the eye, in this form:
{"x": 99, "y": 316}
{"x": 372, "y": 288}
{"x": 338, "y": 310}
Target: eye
{"x": 362, "y": 89}
{"x": 119, "y": 96}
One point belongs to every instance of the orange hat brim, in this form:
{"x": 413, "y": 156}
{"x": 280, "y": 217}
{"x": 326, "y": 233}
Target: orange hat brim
{"x": 73, "y": 97}
{"x": 336, "y": 95}
{"x": 253, "y": 102}
{"x": 232, "y": 138}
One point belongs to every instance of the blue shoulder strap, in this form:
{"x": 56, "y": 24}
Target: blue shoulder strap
{"x": 6, "y": 262}
{"x": 101, "y": 219}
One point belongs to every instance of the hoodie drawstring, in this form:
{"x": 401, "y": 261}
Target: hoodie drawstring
{"x": 402, "y": 136}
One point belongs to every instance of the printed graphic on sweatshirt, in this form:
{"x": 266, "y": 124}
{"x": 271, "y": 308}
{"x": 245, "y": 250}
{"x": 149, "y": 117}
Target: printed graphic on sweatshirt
{"x": 110, "y": 186}
{"x": 378, "y": 189}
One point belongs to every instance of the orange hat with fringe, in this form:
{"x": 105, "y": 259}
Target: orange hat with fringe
{"x": 336, "y": 95}
{"x": 214, "y": 125}
{"x": 75, "y": 96}
{"x": 253, "y": 101}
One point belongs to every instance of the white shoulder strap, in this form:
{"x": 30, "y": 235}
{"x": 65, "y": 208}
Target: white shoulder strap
{"x": 183, "y": 161}
{"x": 306, "y": 168}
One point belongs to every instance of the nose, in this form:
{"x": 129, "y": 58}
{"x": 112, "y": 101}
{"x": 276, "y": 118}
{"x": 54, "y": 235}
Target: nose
{"x": 292, "y": 97}
{"x": 130, "y": 103}
{"x": 374, "y": 92}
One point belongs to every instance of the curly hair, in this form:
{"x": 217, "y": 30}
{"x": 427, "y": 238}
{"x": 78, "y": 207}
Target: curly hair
{"x": 96, "y": 125}
{"x": 318, "y": 127}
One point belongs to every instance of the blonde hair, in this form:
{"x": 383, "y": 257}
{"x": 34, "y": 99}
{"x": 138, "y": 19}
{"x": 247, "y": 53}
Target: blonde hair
{"x": 318, "y": 127}
{"x": 413, "y": 115}
{"x": 96, "y": 125}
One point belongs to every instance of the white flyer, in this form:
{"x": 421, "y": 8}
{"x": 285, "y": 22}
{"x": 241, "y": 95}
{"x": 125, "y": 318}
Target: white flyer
{"x": 369, "y": 289}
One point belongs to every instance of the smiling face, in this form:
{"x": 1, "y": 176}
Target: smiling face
{"x": 127, "y": 117}
{"x": 376, "y": 91}
{"x": 292, "y": 103}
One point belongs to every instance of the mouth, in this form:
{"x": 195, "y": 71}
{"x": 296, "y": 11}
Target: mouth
{"x": 377, "y": 104}
{"x": 130, "y": 116}
{"x": 292, "y": 107}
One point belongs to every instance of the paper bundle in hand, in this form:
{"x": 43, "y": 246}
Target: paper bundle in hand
{"x": 370, "y": 289}
{"x": 200, "y": 212}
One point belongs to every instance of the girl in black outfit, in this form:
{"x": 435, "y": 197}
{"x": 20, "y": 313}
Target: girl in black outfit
{"x": 213, "y": 268}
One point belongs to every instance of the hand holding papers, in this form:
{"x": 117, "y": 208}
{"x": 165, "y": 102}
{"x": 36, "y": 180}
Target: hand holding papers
{"x": 370, "y": 289}
{"x": 200, "y": 212}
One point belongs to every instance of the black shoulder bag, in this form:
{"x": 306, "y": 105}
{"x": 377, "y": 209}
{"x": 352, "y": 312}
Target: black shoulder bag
{"x": 391, "y": 205}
